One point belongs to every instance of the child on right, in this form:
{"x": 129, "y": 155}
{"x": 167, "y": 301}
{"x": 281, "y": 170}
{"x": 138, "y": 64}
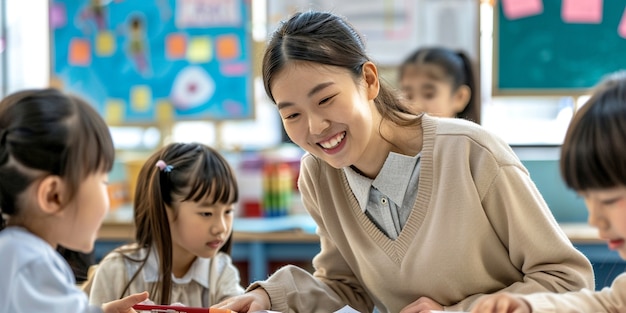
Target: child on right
{"x": 183, "y": 210}
{"x": 440, "y": 81}
{"x": 593, "y": 163}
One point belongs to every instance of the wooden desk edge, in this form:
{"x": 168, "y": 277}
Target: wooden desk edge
{"x": 126, "y": 232}
{"x": 576, "y": 232}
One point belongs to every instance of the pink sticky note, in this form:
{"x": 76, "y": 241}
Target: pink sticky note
{"x": 621, "y": 29}
{"x": 58, "y": 16}
{"x": 234, "y": 69}
{"x": 582, "y": 11}
{"x": 514, "y": 9}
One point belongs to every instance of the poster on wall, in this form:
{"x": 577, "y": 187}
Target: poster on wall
{"x": 154, "y": 61}
{"x": 394, "y": 28}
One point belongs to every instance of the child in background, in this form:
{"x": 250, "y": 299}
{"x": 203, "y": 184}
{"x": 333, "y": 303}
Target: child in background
{"x": 414, "y": 212}
{"x": 55, "y": 153}
{"x": 184, "y": 217}
{"x": 593, "y": 163}
{"x": 440, "y": 81}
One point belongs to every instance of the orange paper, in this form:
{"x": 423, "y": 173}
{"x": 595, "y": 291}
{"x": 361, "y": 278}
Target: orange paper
{"x": 80, "y": 52}
{"x": 175, "y": 46}
{"x": 227, "y": 47}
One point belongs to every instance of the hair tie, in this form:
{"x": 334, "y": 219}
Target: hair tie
{"x": 163, "y": 166}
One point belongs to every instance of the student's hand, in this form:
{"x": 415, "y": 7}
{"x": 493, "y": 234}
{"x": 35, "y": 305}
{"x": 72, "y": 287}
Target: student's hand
{"x": 124, "y": 305}
{"x": 251, "y": 301}
{"x": 501, "y": 303}
{"x": 422, "y": 305}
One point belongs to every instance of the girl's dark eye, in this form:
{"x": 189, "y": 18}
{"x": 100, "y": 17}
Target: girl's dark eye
{"x": 326, "y": 99}
{"x": 610, "y": 201}
{"x": 290, "y": 116}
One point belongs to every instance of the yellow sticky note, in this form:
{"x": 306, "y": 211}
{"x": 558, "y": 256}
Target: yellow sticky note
{"x": 114, "y": 111}
{"x": 164, "y": 111}
{"x": 105, "y": 43}
{"x": 140, "y": 98}
{"x": 199, "y": 49}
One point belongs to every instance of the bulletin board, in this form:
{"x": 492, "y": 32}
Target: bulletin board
{"x": 560, "y": 47}
{"x": 154, "y": 61}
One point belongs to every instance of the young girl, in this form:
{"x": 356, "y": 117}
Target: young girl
{"x": 414, "y": 213}
{"x": 184, "y": 217}
{"x": 593, "y": 162}
{"x": 55, "y": 153}
{"x": 440, "y": 81}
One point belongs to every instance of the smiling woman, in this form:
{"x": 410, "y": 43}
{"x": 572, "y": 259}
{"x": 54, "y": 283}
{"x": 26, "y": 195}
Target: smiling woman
{"x": 387, "y": 187}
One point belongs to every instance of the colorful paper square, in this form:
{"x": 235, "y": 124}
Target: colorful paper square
{"x": 582, "y": 11}
{"x": 234, "y": 69}
{"x": 105, "y": 43}
{"x": 164, "y": 111}
{"x": 58, "y": 15}
{"x": 140, "y": 98}
{"x": 621, "y": 29}
{"x": 515, "y": 9}
{"x": 199, "y": 50}
{"x": 114, "y": 111}
{"x": 175, "y": 46}
{"x": 80, "y": 52}
{"x": 227, "y": 47}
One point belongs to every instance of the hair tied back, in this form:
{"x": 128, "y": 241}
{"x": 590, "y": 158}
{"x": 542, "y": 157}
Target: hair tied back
{"x": 163, "y": 166}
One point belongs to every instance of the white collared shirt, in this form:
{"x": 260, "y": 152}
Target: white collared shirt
{"x": 207, "y": 282}
{"x": 388, "y": 199}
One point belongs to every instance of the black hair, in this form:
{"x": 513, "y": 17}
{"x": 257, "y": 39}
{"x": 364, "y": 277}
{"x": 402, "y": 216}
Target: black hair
{"x": 593, "y": 154}
{"x": 457, "y": 67}
{"x": 328, "y": 39}
{"x": 197, "y": 171}
{"x": 47, "y": 132}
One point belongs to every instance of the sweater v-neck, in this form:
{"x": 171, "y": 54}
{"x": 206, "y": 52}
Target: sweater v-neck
{"x": 397, "y": 248}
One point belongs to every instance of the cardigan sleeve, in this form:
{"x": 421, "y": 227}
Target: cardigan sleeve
{"x": 109, "y": 280}
{"x": 537, "y": 246}
{"x": 228, "y": 281}
{"x": 609, "y": 299}
{"x": 333, "y": 284}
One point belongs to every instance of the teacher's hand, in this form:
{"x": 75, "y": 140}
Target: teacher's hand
{"x": 251, "y": 301}
{"x": 422, "y": 305}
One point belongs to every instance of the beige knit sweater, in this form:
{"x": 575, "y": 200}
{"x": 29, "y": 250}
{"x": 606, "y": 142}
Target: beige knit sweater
{"x": 478, "y": 225}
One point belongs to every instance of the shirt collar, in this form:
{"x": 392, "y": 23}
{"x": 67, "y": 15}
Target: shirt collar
{"x": 199, "y": 271}
{"x": 392, "y": 180}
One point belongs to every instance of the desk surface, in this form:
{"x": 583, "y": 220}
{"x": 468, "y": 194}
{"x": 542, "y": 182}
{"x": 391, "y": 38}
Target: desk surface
{"x": 118, "y": 226}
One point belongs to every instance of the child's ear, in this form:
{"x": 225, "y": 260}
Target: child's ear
{"x": 51, "y": 194}
{"x": 370, "y": 75}
{"x": 461, "y": 98}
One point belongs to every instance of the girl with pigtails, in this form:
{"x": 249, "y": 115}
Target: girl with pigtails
{"x": 183, "y": 211}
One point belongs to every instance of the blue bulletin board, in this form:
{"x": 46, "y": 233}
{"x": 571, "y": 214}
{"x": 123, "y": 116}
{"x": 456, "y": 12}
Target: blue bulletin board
{"x": 153, "y": 61}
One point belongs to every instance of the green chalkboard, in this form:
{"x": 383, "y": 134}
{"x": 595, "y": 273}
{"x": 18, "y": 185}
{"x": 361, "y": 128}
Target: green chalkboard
{"x": 542, "y": 54}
